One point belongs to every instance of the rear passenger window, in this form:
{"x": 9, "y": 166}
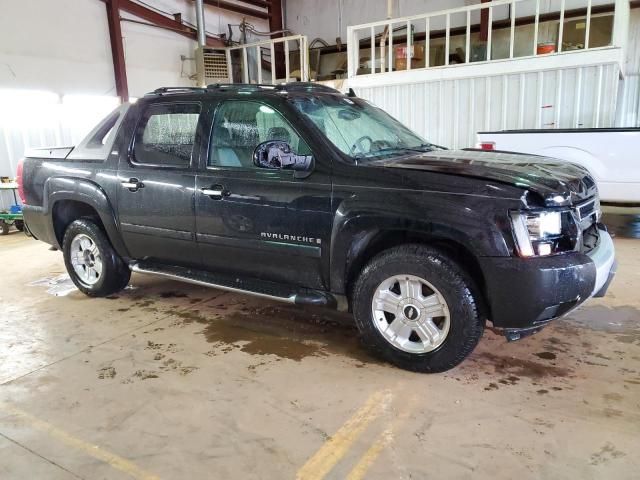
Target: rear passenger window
{"x": 166, "y": 134}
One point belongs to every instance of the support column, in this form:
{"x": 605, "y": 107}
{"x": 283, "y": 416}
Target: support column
{"x": 275, "y": 23}
{"x": 117, "y": 49}
{"x": 484, "y": 22}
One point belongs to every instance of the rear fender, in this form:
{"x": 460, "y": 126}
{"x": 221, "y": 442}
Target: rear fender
{"x": 87, "y": 192}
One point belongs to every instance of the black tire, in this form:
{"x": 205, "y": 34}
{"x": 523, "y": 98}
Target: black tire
{"x": 465, "y": 323}
{"x": 4, "y": 228}
{"x": 115, "y": 273}
{"x": 19, "y": 224}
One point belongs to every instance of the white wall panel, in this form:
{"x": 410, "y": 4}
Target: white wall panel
{"x": 450, "y": 111}
{"x": 63, "y": 46}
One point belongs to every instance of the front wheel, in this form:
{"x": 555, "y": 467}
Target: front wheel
{"x": 414, "y": 307}
{"x": 93, "y": 265}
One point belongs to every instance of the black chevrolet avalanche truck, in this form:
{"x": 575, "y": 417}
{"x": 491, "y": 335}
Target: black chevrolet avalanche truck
{"x": 301, "y": 194}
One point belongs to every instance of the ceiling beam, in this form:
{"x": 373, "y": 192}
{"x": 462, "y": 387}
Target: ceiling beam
{"x": 117, "y": 50}
{"x": 238, "y": 8}
{"x": 164, "y": 21}
{"x": 258, "y": 3}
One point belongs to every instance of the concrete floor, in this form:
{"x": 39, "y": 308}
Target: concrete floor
{"x": 172, "y": 381}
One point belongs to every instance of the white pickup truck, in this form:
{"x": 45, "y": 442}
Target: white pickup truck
{"x": 612, "y": 155}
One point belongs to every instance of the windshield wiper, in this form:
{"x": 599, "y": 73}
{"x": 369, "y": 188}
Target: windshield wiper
{"x": 427, "y": 147}
{"x": 432, "y": 146}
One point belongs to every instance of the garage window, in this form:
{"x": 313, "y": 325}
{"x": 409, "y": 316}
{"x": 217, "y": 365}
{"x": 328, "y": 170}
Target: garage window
{"x": 166, "y": 135}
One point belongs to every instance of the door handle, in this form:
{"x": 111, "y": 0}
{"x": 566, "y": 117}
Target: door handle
{"x": 215, "y": 191}
{"x": 133, "y": 184}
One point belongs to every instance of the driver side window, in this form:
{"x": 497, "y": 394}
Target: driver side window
{"x": 240, "y": 126}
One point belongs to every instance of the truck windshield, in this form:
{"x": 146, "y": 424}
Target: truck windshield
{"x": 358, "y": 128}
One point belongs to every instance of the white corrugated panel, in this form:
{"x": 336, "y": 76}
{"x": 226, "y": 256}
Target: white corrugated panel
{"x": 629, "y": 106}
{"x": 628, "y": 113}
{"x": 449, "y": 112}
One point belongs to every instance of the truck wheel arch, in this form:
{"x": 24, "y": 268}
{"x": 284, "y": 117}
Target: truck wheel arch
{"x": 365, "y": 244}
{"x": 76, "y": 198}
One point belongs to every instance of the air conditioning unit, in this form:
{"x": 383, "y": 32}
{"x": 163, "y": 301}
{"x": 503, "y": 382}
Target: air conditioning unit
{"x": 211, "y": 66}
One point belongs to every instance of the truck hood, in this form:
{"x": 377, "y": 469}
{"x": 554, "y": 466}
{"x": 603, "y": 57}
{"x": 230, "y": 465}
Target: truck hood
{"x": 548, "y": 177}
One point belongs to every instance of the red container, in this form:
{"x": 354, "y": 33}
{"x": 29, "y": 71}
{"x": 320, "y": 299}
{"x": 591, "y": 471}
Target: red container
{"x": 545, "y": 48}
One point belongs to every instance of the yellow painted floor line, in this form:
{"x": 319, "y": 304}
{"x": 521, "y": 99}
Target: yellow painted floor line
{"x": 338, "y": 445}
{"x": 381, "y": 442}
{"x": 92, "y": 450}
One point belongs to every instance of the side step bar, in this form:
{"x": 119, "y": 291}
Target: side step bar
{"x": 257, "y": 288}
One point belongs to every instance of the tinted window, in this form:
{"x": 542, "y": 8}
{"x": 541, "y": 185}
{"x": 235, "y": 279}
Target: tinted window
{"x": 166, "y": 134}
{"x": 240, "y": 126}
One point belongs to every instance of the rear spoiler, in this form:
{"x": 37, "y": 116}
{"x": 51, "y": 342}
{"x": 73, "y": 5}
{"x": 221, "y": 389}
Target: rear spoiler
{"x": 57, "y": 153}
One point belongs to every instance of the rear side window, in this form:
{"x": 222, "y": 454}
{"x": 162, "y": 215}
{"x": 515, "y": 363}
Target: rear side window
{"x": 166, "y": 135}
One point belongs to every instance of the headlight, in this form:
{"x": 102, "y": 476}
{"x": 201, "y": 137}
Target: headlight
{"x": 543, "y": 233}
{"x": 544, "y": 225}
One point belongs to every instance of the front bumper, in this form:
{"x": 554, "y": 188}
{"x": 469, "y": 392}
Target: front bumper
{"x": 604, "y": 258}
{"x": 524, "y": 294}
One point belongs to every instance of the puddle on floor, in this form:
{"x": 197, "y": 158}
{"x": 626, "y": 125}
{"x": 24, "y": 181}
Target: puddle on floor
{"x": 520, "y": 367}
{"x": 609, "y": 319}
{"x": 623, "y": 321}
{"x": 62, "y": 285}
{"x": 284, "y": 331}
{"x": 58, "y": 286}
{"x": 622, "y": 225}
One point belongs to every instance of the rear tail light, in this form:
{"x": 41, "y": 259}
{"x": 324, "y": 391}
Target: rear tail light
{"x": 20, "y": 182}
{"x": 487, "y": 145}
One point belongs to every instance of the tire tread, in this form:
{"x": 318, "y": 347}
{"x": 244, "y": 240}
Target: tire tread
{"x": 116, "y": 272}
{"x": 472, "y": 329}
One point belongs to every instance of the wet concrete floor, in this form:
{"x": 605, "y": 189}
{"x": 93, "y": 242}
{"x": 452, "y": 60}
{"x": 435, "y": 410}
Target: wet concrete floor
{"x": 622, "y": 222}
{"x": 169, "y": 380}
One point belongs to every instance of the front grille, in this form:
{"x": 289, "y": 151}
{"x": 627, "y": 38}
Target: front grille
{"x": 588, "y": 209}
{"x": 587, "y": 216}
{"x": 590, "y": 238}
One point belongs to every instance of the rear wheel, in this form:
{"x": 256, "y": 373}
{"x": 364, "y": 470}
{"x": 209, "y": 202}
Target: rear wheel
{"x": 4, "y": 228}
{"x": 19, "y": 224}
{"x": 92, "y": 263}
{"x": 414, "y": 307}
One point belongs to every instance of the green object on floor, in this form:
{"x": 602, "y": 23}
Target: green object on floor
{"x": 8, "y": 219}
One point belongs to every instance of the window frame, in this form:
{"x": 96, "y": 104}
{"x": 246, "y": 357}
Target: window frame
{"x": 253, "y": 168}
{"x": 195, "y": 152}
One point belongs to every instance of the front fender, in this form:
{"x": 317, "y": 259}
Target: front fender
{"x": 459, "y": 219}
{"x": 88, "y": 192}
